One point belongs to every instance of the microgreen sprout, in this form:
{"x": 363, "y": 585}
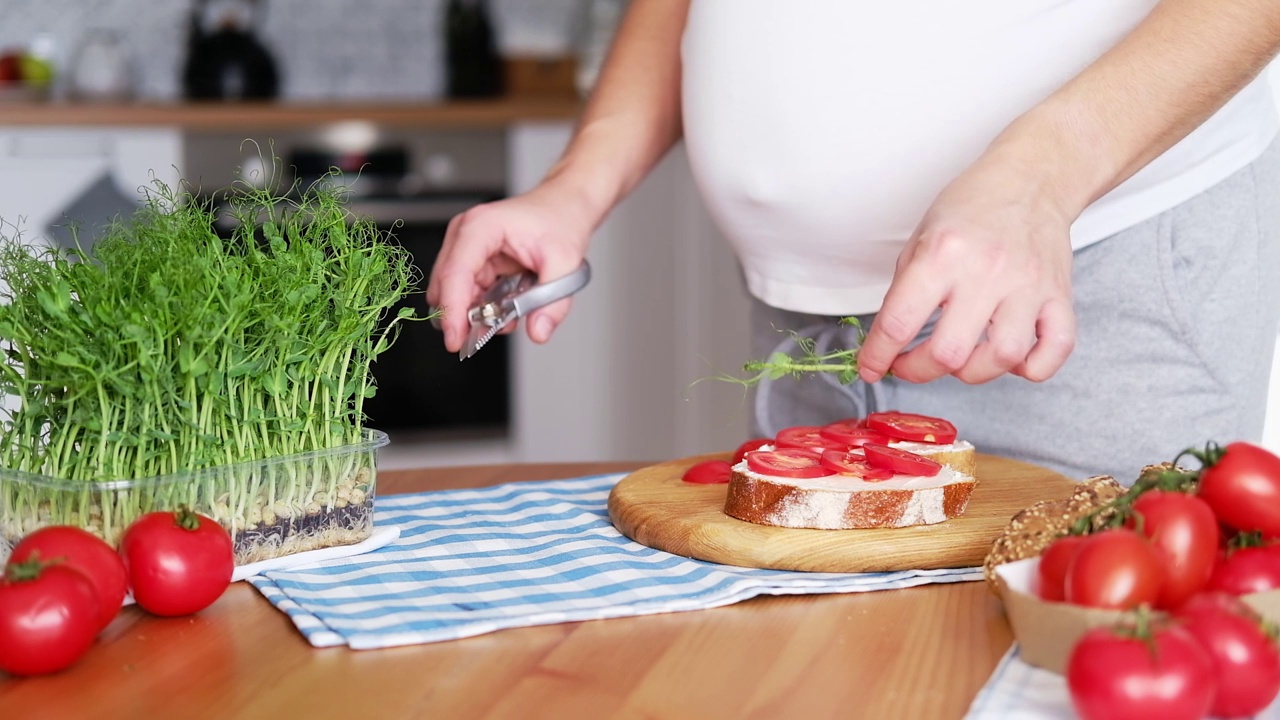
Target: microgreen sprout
{"x": 166, "y": 349}
{"x": 807, "y": 361}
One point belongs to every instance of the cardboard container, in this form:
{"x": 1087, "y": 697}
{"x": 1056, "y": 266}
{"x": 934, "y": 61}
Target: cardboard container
{"x": 1047, "y": 631}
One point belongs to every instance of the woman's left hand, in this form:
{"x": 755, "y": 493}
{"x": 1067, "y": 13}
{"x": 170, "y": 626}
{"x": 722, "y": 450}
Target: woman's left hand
{"x": 994, "y": 253}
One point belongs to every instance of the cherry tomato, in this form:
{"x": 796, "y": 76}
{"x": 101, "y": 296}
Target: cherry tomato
{"x": 852, "y": 433}
{"x": 1243, "y": 488}
{"x": 806, "y": 437}
{"x": 178, "y": 562}
{"x": 708, "y": 472}
{"x": 83, "y": 551}
{"x": 1184, "y": 532}
{"x": 916, "y": 428}
{"x": 901, "y": 461}
{"x": 48, "y": 617}
{"x": 787, "y": 462}
{"x": 852, "y": 463}
{"x": 748, "y": 446}
{"x": 1247, "y": 570}
{"x": 1114, "y": 676}
{"x": 1054, "y": 561}
{"x": 1116, "y": 569}
{"x": 1246, "y": 662}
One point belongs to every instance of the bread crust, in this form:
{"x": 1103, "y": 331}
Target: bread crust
{"x": 766, "y": 501}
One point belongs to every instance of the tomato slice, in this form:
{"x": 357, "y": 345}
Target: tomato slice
{"x": 748, "y": 446}
{"x": 900, "y": 461}
{"x": 912, "y": 427}
{"x": 708, "y": 472}
{"x": 852, "y": 433}
{"x": 853, "y": 463}
{"x": 787, "y": 462}
{"x": 806, "y": 436}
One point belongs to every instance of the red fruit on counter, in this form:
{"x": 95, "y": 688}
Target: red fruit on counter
{"x": 1125, "y": 674}
{"x": 1115, "y": 569}
{"x": 81, "y": 550}
{"x": 1241, "y": 482}
{"x": 1054, "y": 561}
{"x": 708, "y": 472}
{"x": 1184, "y": 532}
{"x": 48, "y": 617}
{"x": 1246, "y": 661}
{"x": 178, "y": 562}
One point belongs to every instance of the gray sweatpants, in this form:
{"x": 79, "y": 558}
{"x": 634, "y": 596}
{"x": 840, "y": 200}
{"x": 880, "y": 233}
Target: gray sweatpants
{"x": 1176, "y": 327}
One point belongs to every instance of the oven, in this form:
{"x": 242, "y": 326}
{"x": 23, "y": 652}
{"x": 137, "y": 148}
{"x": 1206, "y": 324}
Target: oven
{"x": 410, "y": 185}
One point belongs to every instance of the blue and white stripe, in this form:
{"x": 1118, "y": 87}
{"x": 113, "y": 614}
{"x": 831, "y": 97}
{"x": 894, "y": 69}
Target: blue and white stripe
{"x": 469, "y": 562}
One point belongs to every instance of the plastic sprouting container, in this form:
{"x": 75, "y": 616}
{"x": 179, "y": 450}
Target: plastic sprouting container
{"x": 272, "y": 507}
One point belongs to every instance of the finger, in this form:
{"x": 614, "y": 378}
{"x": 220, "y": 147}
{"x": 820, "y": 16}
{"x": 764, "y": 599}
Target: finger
{"x": 1010, "y": 338}
{"x": 556, "y": 261}
{"x": 433, "y": 285}
{"x": 457, "y": 272}
{"x": 1055, "y": 339}
{"x": 956, "y": 334}
{"x": 912, "y": 298}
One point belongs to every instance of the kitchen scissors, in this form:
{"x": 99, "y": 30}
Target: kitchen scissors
{"x": 513, "y": 297}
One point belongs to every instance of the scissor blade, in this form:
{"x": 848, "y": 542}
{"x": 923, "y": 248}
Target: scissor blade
{"x": 473, "y": 343}
{"x": 477, "y": 339}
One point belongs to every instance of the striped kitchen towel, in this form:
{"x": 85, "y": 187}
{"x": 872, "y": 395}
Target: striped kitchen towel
{"x": 1018, "y": 691}
{"x": 469, "y": 562}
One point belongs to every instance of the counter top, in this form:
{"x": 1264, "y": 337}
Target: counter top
{"x": 917, "y": 653}
{"x": 237, "y": 116}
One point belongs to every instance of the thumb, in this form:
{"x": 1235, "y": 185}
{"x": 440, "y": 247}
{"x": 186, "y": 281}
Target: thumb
{"x": 544, "y": 321}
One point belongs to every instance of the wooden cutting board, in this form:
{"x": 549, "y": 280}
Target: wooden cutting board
{"x": 654, "y": 507}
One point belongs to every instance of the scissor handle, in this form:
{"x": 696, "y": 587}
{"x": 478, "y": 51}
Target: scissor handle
{"x": 547, "y": 293}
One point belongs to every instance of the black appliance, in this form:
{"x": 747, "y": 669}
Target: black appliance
{"x": 474, "y": 67}
{"x": 227, "y": 61}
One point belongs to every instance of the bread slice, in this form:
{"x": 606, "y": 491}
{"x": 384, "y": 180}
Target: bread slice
{"x": 959, "y": 455}
{"x": 844, "y": 502}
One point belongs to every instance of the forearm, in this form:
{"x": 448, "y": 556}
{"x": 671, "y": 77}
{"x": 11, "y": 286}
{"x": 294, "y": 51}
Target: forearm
{"x": 633, "y": 116}
{"x": 1179, "y": 66}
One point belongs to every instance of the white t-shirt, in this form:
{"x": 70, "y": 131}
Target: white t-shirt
{"x": 819, "y": 131}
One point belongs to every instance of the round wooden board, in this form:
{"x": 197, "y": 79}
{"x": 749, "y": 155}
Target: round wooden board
{"x": 654, "y": 507}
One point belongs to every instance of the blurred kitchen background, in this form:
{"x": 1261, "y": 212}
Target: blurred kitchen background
{"x": 440, "y": 104}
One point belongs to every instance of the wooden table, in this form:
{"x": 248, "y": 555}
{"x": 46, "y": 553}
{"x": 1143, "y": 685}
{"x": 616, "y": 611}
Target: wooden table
{"x": 917, "y": 653}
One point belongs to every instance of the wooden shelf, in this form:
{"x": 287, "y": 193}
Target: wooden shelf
{"x": 215, "y": 116}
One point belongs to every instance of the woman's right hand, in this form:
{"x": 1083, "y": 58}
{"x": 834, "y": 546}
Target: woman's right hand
{"x": 545, "y": 230}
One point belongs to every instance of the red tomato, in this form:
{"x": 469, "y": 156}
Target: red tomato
{"x": 846, "y": 463}
{"x": 1184, "y": 532}
{"x": 1243, "y": 488}
{"x": 852, "y": 433}
{"x": 1247, "y": 570}
{"x": 916, "y": 428}
{"x": 806, "y": 437}
{"x": 788, "y": 462}
{"x": 1246, "y": 662}
{"x": 708, "y": 472}
{"x": 1116, "y": 569}
{"x": 83, "y": 551}
{"x": 748, "y": 446}
{"x": 900, "y": 461}
{"x": 1053, "y": 565}
{"x": 1117, "y": 677}
{"x": 178, "y": 562}
{"x": 48, "y": 617}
